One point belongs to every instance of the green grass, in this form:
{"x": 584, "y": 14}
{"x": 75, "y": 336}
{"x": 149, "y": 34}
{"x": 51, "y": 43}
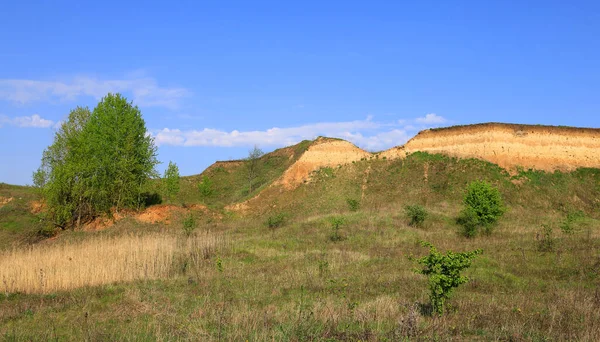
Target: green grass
{"x": 293, "y": 283}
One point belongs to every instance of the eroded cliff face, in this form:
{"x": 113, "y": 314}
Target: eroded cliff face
{"x": 324, "y": 152}
{"x": 510, "y": 146}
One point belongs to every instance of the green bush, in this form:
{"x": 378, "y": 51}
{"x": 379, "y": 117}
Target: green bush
{"x": 483, "y": 207}
{"x": 276, "y": 221}
{"x": 205, "y": 186}
{"x": 546, "y": 239}
{"x": 336, "y": 223}
{"x": 353, "y": 204}
{"x": 189, "y": 224}
{"x": 416, "y": 215}
{"x": 443, "y": 273}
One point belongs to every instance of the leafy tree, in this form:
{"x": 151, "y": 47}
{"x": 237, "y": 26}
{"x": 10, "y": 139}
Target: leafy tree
{"x": 252, "y": 165}
{"x": 60, "y": 176}
{"x": 443, "y": 273}
{"x": 483, "y": 207}
{"x": 171, "y": 180}
{"x": 121, "y": 155}
{"x": 99, "y": 160}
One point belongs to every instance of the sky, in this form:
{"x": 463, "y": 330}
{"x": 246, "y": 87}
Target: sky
{"x": 214, "y": 79}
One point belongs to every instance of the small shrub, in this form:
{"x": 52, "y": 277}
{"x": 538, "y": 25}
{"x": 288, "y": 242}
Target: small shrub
{"x": 276, "y": 221}
{"x": 189, "y": 224}
{"x": 416, "y": 215}
{"x": 443, "y": 273}
{"x": 566, "y": 226}
{"x": 469, "y": 222}
{"x": 483, "y": 207}
{"x": 353, "y": 204}
{"x": 336, "y": 223}
{"x": 546, "y": 239}
{"x": 205, "y": 186}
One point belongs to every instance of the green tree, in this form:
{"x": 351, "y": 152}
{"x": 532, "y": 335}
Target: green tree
{"x": 205, "y": 186}
{"x": 171, "y": 180}
{"x": 443, "y": 273}
{"x": 252, "y": 165}
{"x": 60, "y": 176}
{"x": 99, "y": 160}
{"x": 121, "y": 155}
{"x": 483, "y": 207}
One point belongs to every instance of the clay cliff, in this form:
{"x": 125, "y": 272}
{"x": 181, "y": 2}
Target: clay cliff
{"x": 510, "y": 146}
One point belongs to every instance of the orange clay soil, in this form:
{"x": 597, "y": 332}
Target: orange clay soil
{"x": 544, "y": 148}
{"x": 324, "y": 152}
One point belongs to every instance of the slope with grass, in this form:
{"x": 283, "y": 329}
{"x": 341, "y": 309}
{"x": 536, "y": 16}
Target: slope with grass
{"x": 327, "y": 270}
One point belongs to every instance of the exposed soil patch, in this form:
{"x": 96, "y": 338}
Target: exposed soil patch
{"x": 324, "y": 152}
{"x": 4, "y": 201}
{"x": 510, "y": 146}
{"x": 158, "y": 214}
{"x": 37, "y": 207}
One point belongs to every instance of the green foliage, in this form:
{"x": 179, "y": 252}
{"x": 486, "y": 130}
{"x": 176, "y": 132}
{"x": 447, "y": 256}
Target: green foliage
{"x": 443, "y": 273}
{"x": 336, "y": 223}
{"x": 171, "y": 180}
{"x": 469, "y": 221}
{"x": 99, "y": 160}
{"x": 416, "y": 214}
{"x": 353, "y": 204}
{"x": 252, "y": 163}
{"x": 276, "y": 221}
{"x": 567, "y": 225}
{"x": 545, "y": 239}
{"x": 205, "y": 186}
{"x": 189, "y": 224}
{"x": 483, "y": 207}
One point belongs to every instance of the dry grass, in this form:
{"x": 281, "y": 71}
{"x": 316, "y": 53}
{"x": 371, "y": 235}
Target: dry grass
{"x": 102, "y": 260}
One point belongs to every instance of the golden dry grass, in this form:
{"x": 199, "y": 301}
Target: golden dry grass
{"x": 96, "y": 261}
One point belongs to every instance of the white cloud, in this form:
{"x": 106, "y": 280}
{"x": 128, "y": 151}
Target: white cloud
{"x": 145, "y": 91}
{"x": 431, "y": 119}
{"x": 35, "y": 121}
{"x": 368, "y": 134}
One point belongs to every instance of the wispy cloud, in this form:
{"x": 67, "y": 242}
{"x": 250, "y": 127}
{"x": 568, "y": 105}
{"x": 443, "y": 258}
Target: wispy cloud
{"x": 145, "y": 91}
{"x": 367, "y": 133}
{"x": 34, "y": 121}
{"x": 431, "y": 119}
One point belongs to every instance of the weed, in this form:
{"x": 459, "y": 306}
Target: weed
{"x": 336, "y": 223}
{"x": 545, "y": 239}
{"x": 189, "y": 224}
{"x": 276, "y": 221}
{"x": 353, "y": 204}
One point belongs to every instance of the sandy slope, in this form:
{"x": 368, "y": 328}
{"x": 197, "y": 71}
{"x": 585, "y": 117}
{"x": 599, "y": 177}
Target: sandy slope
{"x": 324, "y": 152}
{"x": 536, "y": 147}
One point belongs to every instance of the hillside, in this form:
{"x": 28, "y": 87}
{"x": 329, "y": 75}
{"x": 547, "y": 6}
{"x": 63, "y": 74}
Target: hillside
{"x": 514, "y": 148}
{"x": 269, "y": 264}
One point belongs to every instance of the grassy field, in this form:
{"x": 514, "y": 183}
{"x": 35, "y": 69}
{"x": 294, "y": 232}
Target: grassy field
{"x": 236, "y": 279}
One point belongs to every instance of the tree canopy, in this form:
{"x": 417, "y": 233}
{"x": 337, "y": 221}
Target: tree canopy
{"x": 99, "y": 160}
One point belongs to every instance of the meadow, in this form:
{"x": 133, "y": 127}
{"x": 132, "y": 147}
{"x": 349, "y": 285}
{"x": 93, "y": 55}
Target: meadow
{"x": 235, "y": 277}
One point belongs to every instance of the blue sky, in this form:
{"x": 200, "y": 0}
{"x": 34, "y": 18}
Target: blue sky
{"x": 215, "y": 78}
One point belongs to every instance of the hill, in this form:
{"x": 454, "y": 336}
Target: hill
{"x": 293, "y": 260}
